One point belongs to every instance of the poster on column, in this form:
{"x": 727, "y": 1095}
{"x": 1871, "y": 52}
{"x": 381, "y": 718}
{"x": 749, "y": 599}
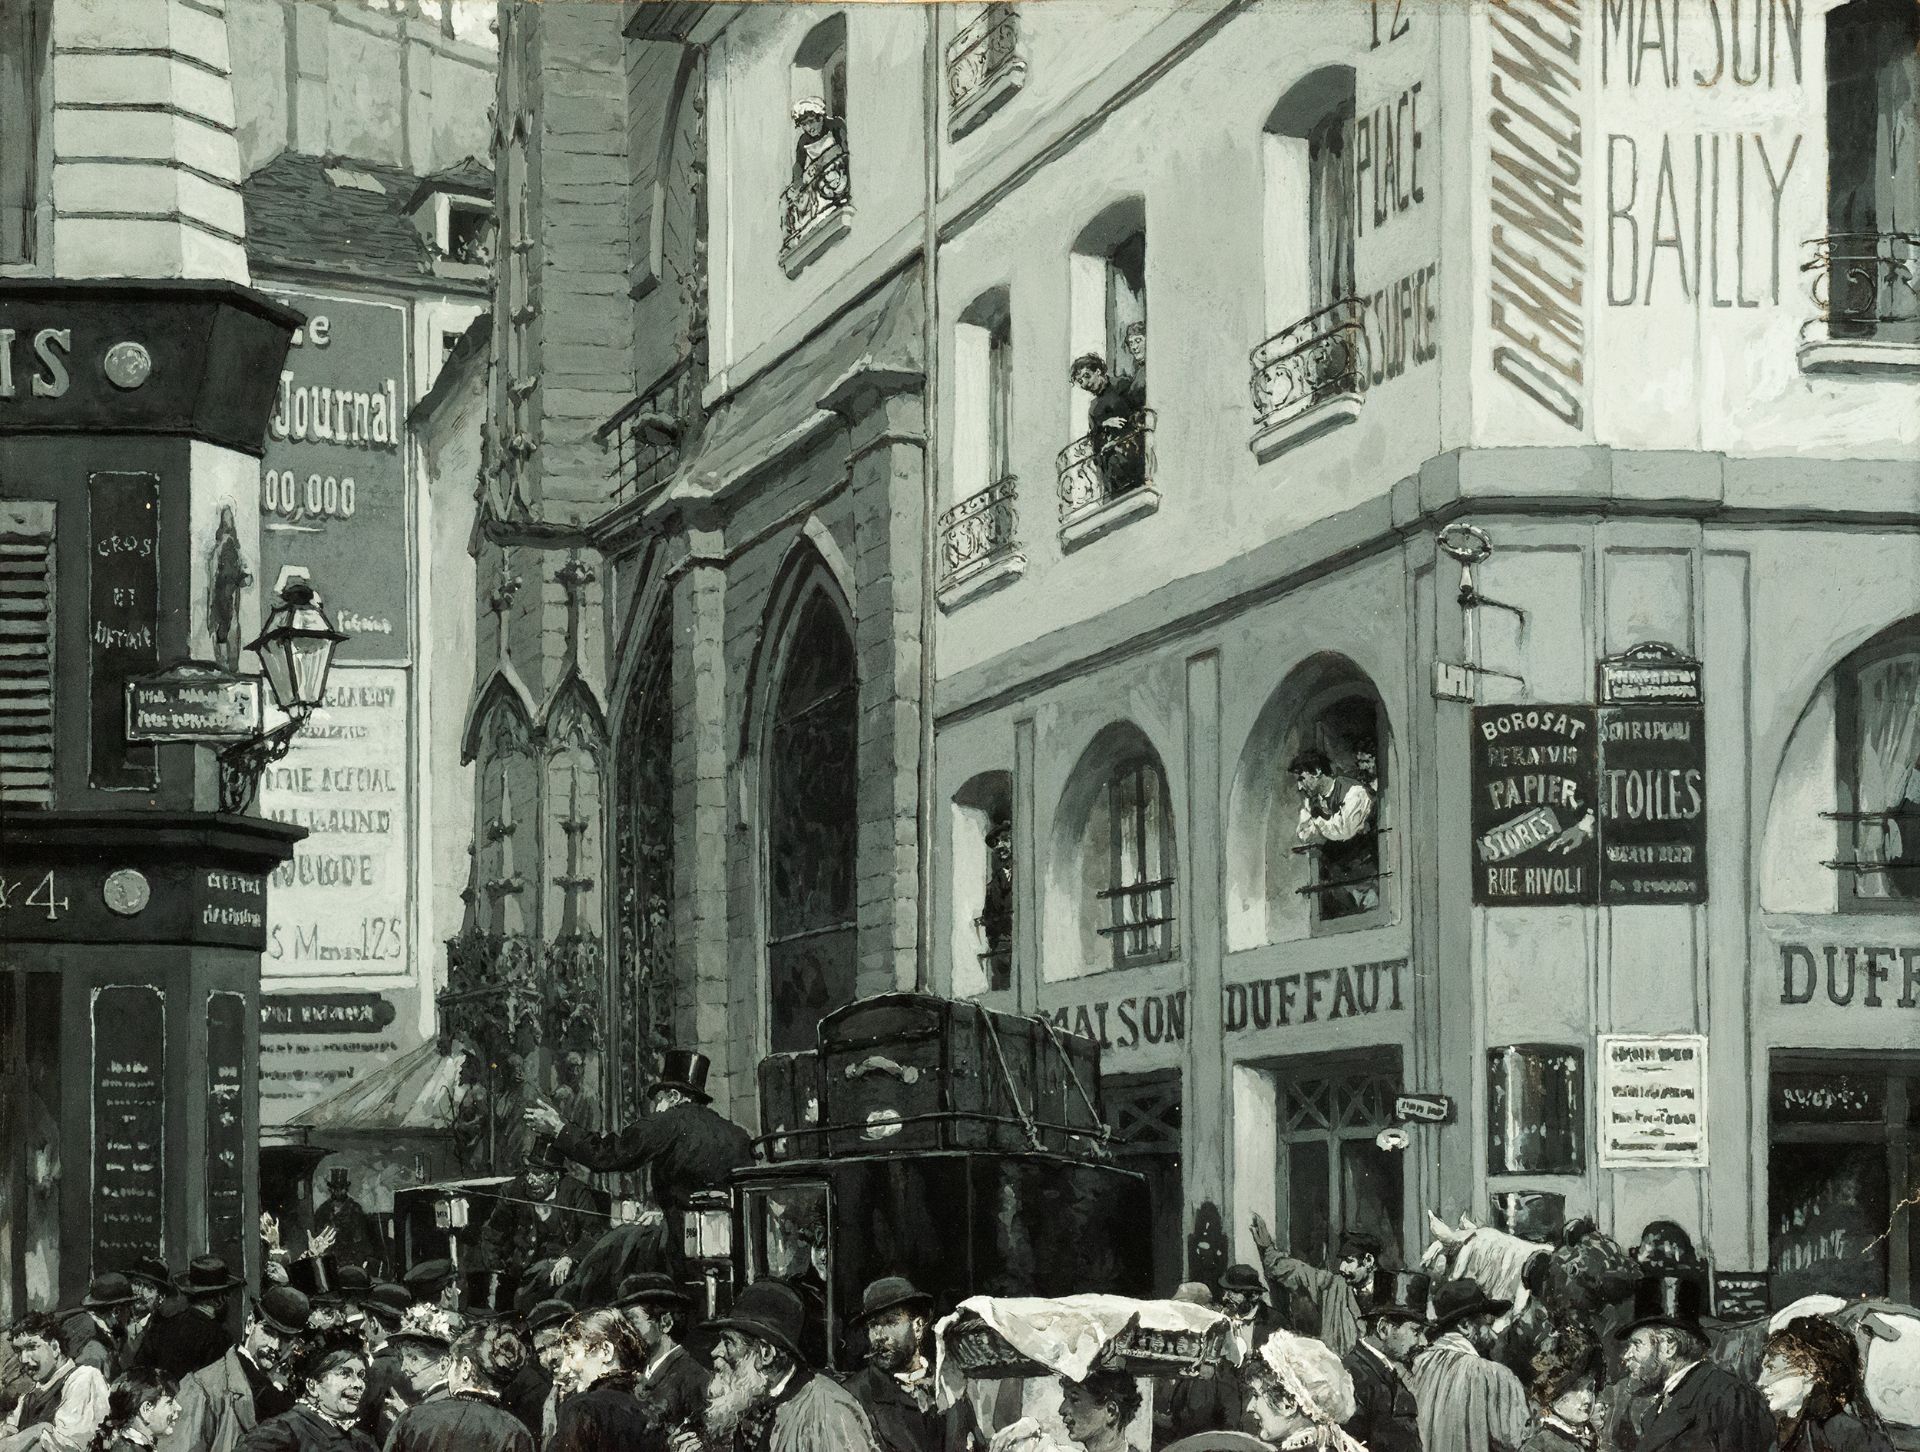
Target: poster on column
{"x": 333, "y": 482}
{"x": 1533, "y": 779}
{"x": 129, "y": 1124}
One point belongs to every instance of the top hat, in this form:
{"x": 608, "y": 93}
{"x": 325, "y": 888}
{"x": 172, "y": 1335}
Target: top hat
{"x": 338, "y": 1176}
{"x": 544, "y": 1314}
{"x": 489, "y": 1294}
{"x": 318, "y": 1276}
{"x": 153, "y": 1272}
{"x": 543, "y": 1154}
{"x": 109, "y": 1288}
{"x": 1000, "y": 827}
{"x": 1458, "y": 1299}
{"x": 770, "y": 1312}
{"x": 887, "y": 1293}
{"x": 1244, "y": 1279}
{"x": 1399, "y": 1294}
{"x": 685, "y": 1070}
{"x": 1669, "y": 1298}
{"x": 387, "y": 1303}
{"x": 650, "y": 1288}
{"x": 283, "y": 1310}
{"x": 207, "y": 1275}
{"x": 427, "y": 1278}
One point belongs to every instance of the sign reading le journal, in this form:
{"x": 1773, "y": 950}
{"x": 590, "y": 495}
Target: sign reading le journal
{"x": 333, "y": 483}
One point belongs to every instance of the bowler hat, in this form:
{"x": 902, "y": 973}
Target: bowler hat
{"x": 207, "y": 1275}
{"x": 1358, "y": 1243}
{"x": 426, "y": 1278}
{"x": 650, "y": 1288}
{"x": 1458, "y": 1299}
{"x": 889, "y": 1292}
{"x": 153, "y": 1272}
{"x": 353, "y": 1282}
{"x": 548, "y": 1313}
{"x": 685, "y": 1070}
{"x": 387, "y": 1303}
{"x": 1400, "y": 1294}
{"x": 770, "y": 1312}
{"x": 1244, "y": 1279}
{"x": 109, "y": 1288}
{"x": 283, "y": 1310}
{"x": 1676, "y": 1299}
{"x": 318, "y": 1276}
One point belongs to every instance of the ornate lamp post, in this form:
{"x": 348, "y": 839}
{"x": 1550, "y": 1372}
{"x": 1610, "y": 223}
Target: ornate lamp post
{"x": 296, "y": 650}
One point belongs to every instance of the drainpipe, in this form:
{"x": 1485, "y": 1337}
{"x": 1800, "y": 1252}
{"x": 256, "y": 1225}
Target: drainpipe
{"x": 930, "y": 501}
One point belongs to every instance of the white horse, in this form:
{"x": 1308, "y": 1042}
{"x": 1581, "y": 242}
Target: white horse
{"x": 1491, "y": 1256}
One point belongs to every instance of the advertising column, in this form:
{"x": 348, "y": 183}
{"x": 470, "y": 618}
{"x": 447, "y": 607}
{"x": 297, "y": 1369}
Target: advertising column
{"x": 339, "y": 970}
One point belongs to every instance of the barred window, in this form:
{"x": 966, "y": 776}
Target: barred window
{"x": 26, "y": 654}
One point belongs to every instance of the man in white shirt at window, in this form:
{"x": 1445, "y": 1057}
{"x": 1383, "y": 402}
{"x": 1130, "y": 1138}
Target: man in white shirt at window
{"x": 67, "y": 1402}
{"x": 1336, "y": 815}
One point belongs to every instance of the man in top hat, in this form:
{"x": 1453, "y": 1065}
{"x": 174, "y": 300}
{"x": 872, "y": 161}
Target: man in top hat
{"x": 996, "y": 907}
{"x": 433, "y": 1282}
{"x": 671, "y": 1382}
{"x": 1697, "y": 1406}
{"x": 545, "y": 1221}
{"x": 354, "y": 1241}
{"x": 192, "y": 1332}
{"x": 1385, "y": 1416}
{"x": 152, "y": 1285}
{"x": 896, "y": 1386}
{"x": 386, "y": 1308}
{"x": 764, "y": 1397}
{"x": 682, "y": 1141}
{"x": 1467, "y": 1402}
{"x": 317, "y": 1277}
{"x": 1335, "y": 1300}
{"x": 221, "y": 1403}
{"x": 96, "y": 1333}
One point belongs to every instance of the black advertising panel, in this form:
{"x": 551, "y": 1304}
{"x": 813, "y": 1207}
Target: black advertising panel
{"x": 123, "y": 593}
{"x": 1534, "y": 778}
{"x": 129, "y": 1124}
{"x": 226, "y": 1125}
{"x": 1653, "y": 804}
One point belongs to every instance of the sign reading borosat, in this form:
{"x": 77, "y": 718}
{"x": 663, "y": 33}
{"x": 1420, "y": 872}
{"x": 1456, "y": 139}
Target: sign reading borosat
{"x": 1534, "y": 775}
{"x": 333, "y": 484}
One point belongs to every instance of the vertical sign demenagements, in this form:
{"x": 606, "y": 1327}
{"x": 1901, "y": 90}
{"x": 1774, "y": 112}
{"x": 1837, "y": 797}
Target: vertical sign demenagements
{"x": 1653, "y": 1101}
{"x": 339, "y": 907}
{"x": 226, "y": 1126}
{"x": 1534, "y": 781}
{"x": 129, "y": 1125}
{"x": 123, "y": 600}
{"x": 333, "y": 483}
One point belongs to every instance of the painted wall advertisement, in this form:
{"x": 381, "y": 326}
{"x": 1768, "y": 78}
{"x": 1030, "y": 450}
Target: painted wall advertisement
{"x": 333, "y": 500}
{"x": 1653, "y": 1101}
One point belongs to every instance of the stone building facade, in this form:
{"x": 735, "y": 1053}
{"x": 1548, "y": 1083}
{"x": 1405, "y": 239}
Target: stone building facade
{"x": 1526, "y": 436}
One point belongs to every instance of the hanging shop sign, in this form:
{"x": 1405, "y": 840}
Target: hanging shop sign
{"x": 1650, "y": 674}
{"x": 1534, "y": 782}
{"x": 1424, "y": 1108}
{"x": 193, "y": 702}
{"x": 1653, "y": 1101}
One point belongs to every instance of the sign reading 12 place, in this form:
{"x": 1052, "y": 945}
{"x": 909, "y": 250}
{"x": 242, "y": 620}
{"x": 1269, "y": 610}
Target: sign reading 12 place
{"x": 333, "y": 483}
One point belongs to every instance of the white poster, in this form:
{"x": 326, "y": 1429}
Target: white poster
{"x": 1653, "y": 1101}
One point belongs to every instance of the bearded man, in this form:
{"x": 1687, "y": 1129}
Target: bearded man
{"x": 896, "y": 1387}
{"x": 671, "y": 1382}
{"x": 764, "y": 1397}
{"x": 1466, "y": 1401}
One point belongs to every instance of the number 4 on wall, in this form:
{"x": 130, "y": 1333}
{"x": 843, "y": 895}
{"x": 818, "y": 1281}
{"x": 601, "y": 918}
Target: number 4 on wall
{"x": 43, "y": 897}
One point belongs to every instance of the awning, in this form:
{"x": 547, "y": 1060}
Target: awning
{"x": 414, "y": 1095}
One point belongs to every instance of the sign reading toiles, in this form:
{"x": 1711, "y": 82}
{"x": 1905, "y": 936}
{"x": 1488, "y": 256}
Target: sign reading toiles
{"x": 1533, "y": 778}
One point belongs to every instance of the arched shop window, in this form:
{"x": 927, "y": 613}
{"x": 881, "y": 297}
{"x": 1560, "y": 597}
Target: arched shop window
{"x": 1115, "y": 867}
{"x": 811, "y": 825}
{"x": 643, "y": 984}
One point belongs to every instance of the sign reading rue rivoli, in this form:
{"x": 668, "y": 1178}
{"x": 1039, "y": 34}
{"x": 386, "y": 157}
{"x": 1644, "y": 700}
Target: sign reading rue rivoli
{"x": 193, "y": 702}
{"x": 1534, "y": 779}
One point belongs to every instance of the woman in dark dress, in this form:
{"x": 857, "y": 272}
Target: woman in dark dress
{"x": 331, "y": 1380}
{"x": 141, "y": 1409}
{"x": 1810, "y": 1374}
{"x": 603, "y": 1358}
{"x": 1565, "y": 1388}
{"x": 471, "y": 1417}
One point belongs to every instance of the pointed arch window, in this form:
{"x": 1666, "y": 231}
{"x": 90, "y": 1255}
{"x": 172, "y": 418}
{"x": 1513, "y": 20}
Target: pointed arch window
{"x": 812, "y": 817}
{"x": 643, "y": 981}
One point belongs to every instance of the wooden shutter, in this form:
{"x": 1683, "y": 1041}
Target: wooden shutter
{"x": 26, "y": 655}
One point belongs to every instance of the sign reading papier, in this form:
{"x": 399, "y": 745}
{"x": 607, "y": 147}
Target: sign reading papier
{"x": 1653, "y": 1101}
{"x": 339, "y": 907}
{"x": 1534, "y": 776}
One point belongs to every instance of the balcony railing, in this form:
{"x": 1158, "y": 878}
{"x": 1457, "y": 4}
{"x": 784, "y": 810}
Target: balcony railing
{"x": 981, "y": 54}
{"x": 1104, "y": 464}
{"x": 1320, "y": 358}
{"x": 647, "y": 435}
{"x": 979, "y": 529}
{"x": 823, "y": 189}
{"x": 1866, "y": 286}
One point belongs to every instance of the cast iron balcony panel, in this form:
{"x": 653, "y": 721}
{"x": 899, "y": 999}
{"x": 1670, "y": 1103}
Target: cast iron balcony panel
{"x": 815, "y": 210}
{"x": 978, "y": 543}
{"x": 983, "y": 67}
{"x": 1310, "y": 377}
{"x": 1106, "y": 481}
{"x": 648, "y": 433}
{"x": 1866, "y": 287}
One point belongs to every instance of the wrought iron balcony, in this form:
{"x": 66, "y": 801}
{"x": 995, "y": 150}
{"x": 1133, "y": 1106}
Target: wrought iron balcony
{"x": 979, "y": 530}
{"x": 1866, "y": 286}
{"x": 824, "y": 188}
{"x": 649, "y": 434}
{"x": 1320, "y": 359}
{"x": 982, "y": 55}
{"x": 1105, "y": 464}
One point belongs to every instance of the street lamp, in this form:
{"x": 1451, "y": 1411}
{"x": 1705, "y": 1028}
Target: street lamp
{"x": 296, "y": 650}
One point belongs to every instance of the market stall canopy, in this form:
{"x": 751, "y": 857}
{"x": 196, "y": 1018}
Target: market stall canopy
{"x": 989, "y": 1336}
{"x": 414, "y": 1095}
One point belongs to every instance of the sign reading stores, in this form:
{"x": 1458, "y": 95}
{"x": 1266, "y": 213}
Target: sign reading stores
{"x": 333, "y": 503}
{"x": 340, "y": 906}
